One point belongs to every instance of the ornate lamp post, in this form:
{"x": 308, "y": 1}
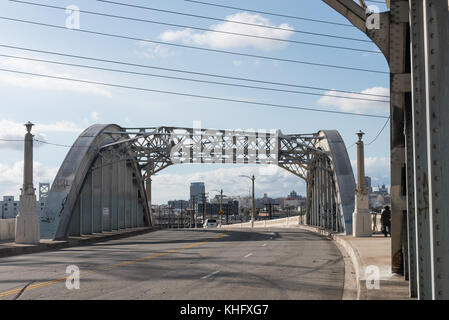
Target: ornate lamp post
{"x": 361, "y": 216}
{"x": 27, "y": 220}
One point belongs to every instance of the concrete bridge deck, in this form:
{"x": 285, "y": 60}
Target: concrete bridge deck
{"x": 185, "y": 264}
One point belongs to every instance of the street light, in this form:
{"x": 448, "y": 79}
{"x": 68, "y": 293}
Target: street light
{"x": 253, "y": 211}
{"x": 221, "y": 203}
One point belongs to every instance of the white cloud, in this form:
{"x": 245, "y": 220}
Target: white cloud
{"x": 357, "y": 105}
{"x": 11, "y": 177}
{"x": 223, "y": 40}
{"x": 11, "y": 130}
{"x": 42, "y": 83}
{"x": 171, "y": 186}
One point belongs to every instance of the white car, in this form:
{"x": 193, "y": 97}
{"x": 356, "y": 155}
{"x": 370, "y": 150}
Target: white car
{"x": 210, "y": 223}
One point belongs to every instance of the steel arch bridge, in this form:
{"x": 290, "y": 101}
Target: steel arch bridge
{"x": 104, "y": 183}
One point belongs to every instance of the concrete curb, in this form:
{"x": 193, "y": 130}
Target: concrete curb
{"x": 350, "y": 251}
{"x": 49, "y": 245}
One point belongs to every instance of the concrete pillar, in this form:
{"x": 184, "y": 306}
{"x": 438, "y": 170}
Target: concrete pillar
{"x": 27, "y": 220}
{"x": 361, "y": 218}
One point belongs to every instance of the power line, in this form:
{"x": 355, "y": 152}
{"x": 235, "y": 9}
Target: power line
{"x": 44, "y": 142}
{"x": 218, "y": 31}
{"x": 378, "y": 134}
{"x": 264, "y": 104}
{"x": 219, "y": 19}
{"x": 198, "y": 48}
{"x": 186, "y": 79}
{"x": 268, "y": 13}
{"x": 59, "y": 145}
{"x": 189, "y": 72}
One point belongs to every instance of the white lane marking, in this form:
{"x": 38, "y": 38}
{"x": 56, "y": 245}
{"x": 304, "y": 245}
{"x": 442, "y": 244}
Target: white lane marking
{"x": 211, "y": 274}
{"x": 249, "y": 255}
{"x": 264, "y": 245}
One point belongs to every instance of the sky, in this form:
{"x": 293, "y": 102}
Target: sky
{"x": 62, "y": 109}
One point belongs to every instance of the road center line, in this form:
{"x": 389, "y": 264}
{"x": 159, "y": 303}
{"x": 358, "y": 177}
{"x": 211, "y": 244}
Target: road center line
{"x": 113, "y": 266}
{"x": 211, "y": 274}
{"x": 249, "y": 255}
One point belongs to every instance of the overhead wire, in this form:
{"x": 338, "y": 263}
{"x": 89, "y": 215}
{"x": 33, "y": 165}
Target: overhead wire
{"x": 268, "y": 13}
{"x": 186, "y": 79}
{"x": 316, "y": 64}
{"x": 189, "y": 72}
{"x": 211, "y": 30}
{"x": 264, "y": 104}
{"x": 217, "y": 19}
{"x": 375, "y": 138}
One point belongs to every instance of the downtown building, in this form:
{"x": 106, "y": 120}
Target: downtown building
{"x": 9, "y": 206}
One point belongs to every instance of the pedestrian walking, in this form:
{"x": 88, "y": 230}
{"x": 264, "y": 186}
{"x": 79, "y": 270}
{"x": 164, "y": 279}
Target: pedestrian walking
{"x": 386, "y": 221}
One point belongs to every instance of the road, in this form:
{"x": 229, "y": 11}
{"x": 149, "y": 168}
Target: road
{"x": 185, "y": 264}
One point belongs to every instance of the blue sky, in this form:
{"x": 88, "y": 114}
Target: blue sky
{"x": 62, "y": 109}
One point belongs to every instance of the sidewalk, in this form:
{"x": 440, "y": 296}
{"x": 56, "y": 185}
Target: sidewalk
{"x": 369, "y": 255}
{"x": 9, "y": 248}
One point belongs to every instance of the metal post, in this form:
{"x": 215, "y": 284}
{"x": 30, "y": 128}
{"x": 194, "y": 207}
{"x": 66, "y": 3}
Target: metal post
{"x": 221, "y": 205}
{"x": 182, "y": 220}
{"x": 204, "y": 208}
{"x": 253, "y": 213}
{"x": 436, "y": 48}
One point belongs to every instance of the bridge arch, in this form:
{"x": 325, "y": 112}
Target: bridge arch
{"x": 101, "y": 183}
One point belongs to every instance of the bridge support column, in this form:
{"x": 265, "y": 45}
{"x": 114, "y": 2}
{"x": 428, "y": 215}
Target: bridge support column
{"x": 361, "y": 218}
{"x": 436, "y": 61}
{"x": 28, "y": 221}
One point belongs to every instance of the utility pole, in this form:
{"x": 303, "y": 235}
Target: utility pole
{"x": 253, "y": 211}
{"x": 204, "y": 206}
{"x": 221, "y": 205}
{"x": 271, "y": 210}
{"x": 227, "y": 213}
{"x": 169, "y": 216}
{"x": 182, "y": 220}
{"x": 195, "y": 201}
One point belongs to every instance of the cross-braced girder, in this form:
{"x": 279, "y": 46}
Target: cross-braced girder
{"x": 154, "y": 149}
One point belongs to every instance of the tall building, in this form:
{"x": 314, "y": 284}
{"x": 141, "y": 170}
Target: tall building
{"x": 197, "y": 189}
{"x": 368, "y": 184}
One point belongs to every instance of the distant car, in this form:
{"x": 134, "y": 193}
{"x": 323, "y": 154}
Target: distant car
{"x": 210, "y": 223}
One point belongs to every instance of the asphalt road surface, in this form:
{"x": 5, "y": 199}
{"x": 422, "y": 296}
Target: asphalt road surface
{"x": 184, "y": 264}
